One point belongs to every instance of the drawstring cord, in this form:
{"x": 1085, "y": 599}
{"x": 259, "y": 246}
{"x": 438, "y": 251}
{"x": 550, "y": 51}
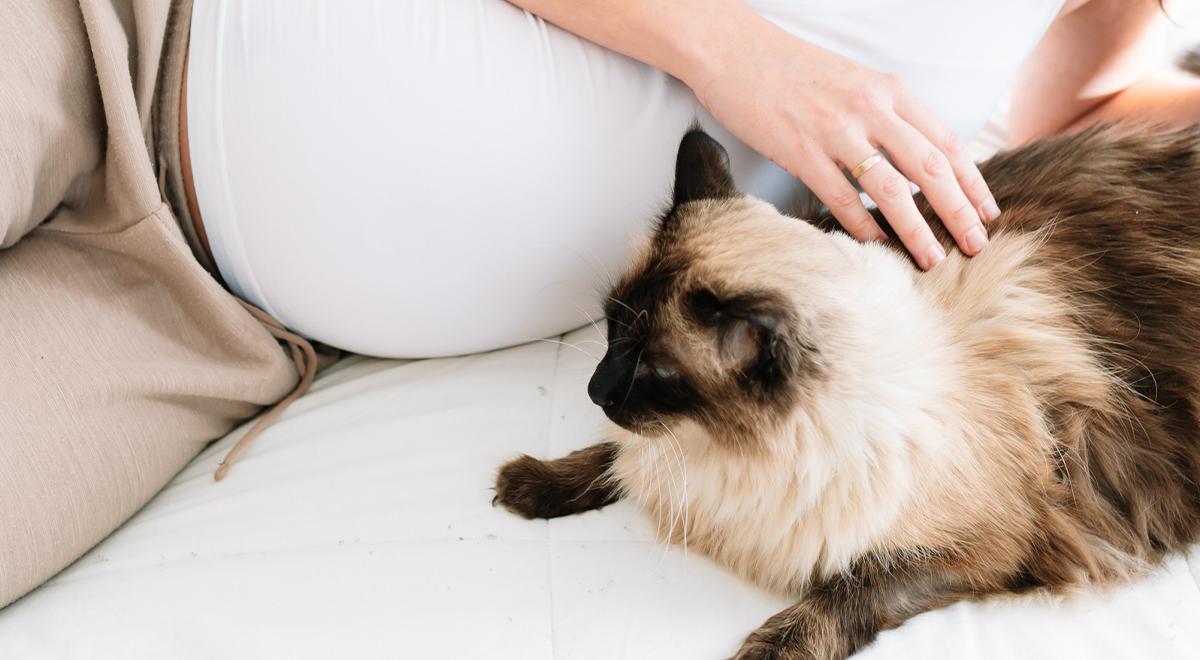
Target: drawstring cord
{"x": 303, "y": 355}
{"x": 305, "y": 359}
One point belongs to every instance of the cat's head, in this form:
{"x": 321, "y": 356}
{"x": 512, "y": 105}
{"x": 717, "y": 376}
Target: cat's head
{"x": 730, "y": 313}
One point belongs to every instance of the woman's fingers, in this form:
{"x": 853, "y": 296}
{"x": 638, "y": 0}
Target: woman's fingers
{"x": 970, "y": 181}
{"x": 892, "y": 192}
{"x": 925, "y": 164}
{"x": 829, "y": 183}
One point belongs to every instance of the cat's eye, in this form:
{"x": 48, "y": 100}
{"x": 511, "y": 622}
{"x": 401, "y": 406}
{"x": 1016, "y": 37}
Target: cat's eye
{"x": 660, "y": 371}
{"x": 705, "y": 305}
{"x": 665, "y": 373}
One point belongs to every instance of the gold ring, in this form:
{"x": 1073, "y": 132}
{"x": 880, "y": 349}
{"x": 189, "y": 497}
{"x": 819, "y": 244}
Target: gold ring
{"x": 871, "y": 161}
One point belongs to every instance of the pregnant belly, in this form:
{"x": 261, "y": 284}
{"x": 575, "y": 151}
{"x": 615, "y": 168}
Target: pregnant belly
{"x": 421, "y": 179}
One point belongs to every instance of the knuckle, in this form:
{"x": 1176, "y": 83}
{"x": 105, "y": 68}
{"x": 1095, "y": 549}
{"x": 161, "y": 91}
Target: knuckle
{"x": 860, "y": 226}
{"x": 893, "y": 83}
{"x": 973, "y": 185}
{"x": 806, "y": 148}
{"x": 868, "y": 101}
{"x": 844, "y": 198}
{"x": 837, "y": 124}
{"x": 978, "y": 189}
{"x": 953, "y": 143}
{"x": 936, "y": 164}
{"x": 964, "y": 216}
{"x": 915, "y": 235}
{"x": 893, "y": 187}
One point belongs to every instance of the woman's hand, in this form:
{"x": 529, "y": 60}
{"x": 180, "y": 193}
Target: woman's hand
{"x": 818, "y": 114}
{"x": 811, "y": 111}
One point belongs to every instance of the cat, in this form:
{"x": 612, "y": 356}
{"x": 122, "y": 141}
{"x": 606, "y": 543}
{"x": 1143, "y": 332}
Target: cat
{"x": 880, "y": 441}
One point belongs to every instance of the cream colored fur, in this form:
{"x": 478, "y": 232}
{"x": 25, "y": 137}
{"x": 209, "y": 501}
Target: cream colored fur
{"x": 903, "y": 442}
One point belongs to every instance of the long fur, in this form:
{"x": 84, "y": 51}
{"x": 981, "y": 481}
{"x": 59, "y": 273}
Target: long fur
{"x": 1026, "y": 418}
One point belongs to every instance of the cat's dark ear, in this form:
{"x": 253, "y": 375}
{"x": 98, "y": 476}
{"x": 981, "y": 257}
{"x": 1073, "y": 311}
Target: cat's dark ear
{"x": 747, "y": 330}
{"x": 702, "y": 169}
{"x": 751, "y": 343}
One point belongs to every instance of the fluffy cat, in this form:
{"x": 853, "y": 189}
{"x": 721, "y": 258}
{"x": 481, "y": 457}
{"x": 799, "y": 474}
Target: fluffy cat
{"x": 880, "y": 441}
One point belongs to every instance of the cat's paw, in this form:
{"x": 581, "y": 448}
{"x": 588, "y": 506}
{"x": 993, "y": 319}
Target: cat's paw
{"x": 791, "y": 635}
{"x": 754, "y": 650}
{"x": 528, "y": 487}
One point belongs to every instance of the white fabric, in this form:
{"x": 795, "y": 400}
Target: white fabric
{"x": 432, "y": 177}
{"x": 360, "y": 527}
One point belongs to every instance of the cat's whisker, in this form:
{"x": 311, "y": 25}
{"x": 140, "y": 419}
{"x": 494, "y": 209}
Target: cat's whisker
{"x": 623, "y": 304}
{"x": 637, "y": 363}
{"x": 1022, "y": 418}
{"x": 593, "y": 260}
{"x": 645, "y": 493}
{"x": 637, "y": 314}
{"x": 669, "y": 532}
{"x": 590, "y": 318}
{"x": 662, "y": 530}
{"x": 569, "y": 345}
{"x": 675, "y": 512}
{"x": 643, "y": 314}
{"x": 593, "y": 341}
{"x": 657, "y": 483}
{"x": 678, "y": 450}
{"x": 619, "y": 341}
{"x": 619, "y": 322}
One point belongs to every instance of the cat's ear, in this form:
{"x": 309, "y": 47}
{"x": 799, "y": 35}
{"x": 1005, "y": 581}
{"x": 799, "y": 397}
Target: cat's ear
{"x": 747, "y": 331}
{"x": 702, "y": 169}
{"x": 750, "y": 342}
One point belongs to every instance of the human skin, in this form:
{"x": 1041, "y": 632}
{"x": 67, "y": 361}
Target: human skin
{"x": 817, "y": 114}
{"x": 812, "y": 111}
{"x": 1102, "y": 60}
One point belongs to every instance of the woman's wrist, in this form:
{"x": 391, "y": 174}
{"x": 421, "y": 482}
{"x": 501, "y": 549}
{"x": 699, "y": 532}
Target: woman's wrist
{"x": 810, "y": 110}
{"x": 729, "y": 36}
{"x": 696, "y": 41}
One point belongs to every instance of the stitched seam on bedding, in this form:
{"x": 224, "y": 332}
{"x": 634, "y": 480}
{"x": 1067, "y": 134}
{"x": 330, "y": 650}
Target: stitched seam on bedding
{"x": 550, "y": 425}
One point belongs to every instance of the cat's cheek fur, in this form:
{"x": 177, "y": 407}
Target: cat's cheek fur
{"x": 1023, "y": 419}
{"x": 868, "y": 442}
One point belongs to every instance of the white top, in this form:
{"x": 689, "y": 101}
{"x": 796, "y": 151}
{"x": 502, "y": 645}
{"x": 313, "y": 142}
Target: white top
{"x": 433, "y": 177}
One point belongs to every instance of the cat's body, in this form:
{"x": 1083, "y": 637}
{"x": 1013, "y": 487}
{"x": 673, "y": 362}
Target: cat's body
{"x": 828, "y": 422}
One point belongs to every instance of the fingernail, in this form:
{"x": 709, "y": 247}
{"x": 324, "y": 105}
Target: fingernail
{"x": 990, "y": 210}
{"x": 975, "y": 239}
{"x": 934, "y": 254}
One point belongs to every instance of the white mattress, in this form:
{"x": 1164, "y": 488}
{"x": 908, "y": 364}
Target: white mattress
{"x": 360, "y": 526}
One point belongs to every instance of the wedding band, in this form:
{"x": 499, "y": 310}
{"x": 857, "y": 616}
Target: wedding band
{"x": 871, "y": 161}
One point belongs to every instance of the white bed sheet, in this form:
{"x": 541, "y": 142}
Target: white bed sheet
{"x": 360, "y": 526}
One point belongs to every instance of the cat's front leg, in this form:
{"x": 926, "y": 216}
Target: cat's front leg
{"x": 839, "y": 616}
{"x": 802, "y": 631}
{"x": 578, "y": 482}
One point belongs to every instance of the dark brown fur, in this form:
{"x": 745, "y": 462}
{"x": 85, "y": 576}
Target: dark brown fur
{"x": 572, "y": 484}
{"x": 1121, "y": 215}
{"x": 1118, "y": 220}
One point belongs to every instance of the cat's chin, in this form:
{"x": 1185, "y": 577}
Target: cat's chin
{"x": 643, "y": 428}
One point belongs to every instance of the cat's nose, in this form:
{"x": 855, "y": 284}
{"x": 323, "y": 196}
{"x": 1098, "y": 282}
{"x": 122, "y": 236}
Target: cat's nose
{"x": 605, "y": 382}
{"x": 599, "y": 392}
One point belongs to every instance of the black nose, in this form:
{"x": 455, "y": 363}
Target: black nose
{"x": 607, "y": 382}
{"x": 599, "y": 391}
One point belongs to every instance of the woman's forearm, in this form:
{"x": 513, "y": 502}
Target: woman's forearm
{"x": 1094, "y": 51}
{"x": 1168, "y": 99}
{"x": 812, "y": 111}
{"x": 682, "y": 37}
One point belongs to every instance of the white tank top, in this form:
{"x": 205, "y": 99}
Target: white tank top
{"x": 435, "y": 177}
